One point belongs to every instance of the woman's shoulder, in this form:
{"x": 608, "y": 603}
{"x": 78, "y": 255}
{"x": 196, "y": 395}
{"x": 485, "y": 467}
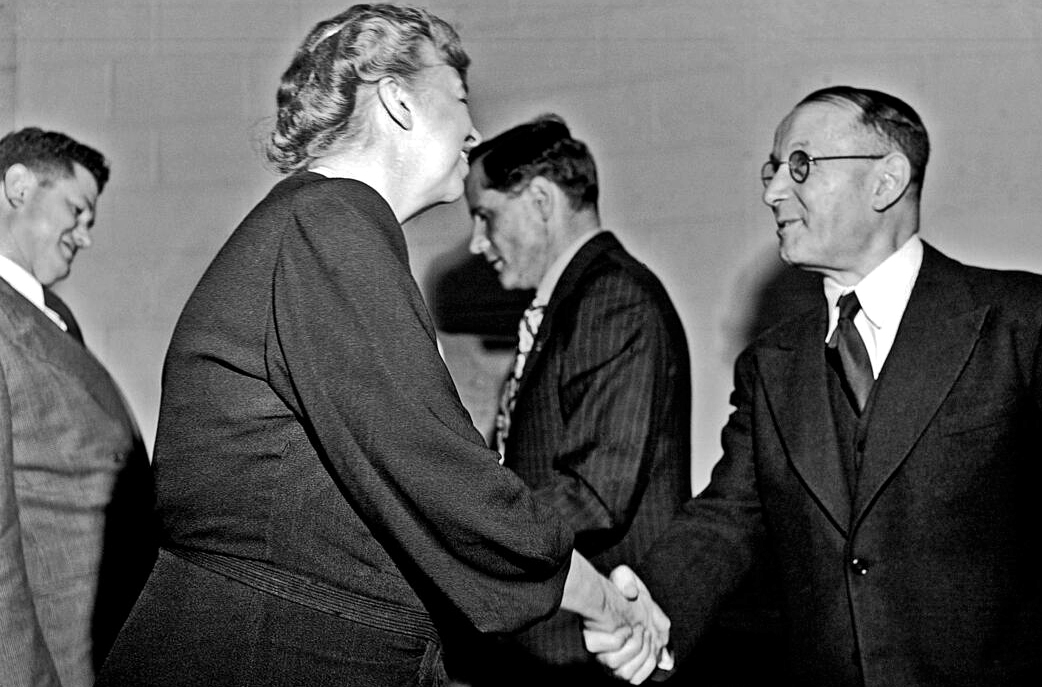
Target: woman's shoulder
{"x": 328, "y": 210}
{"x": 309, "y": 187}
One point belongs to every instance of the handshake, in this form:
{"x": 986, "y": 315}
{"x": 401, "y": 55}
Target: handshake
{"x": 622, "y": 625}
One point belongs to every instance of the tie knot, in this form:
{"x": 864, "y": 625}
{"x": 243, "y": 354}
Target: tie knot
{"x": 533, "y": 315}
{"x": 534, "y": 310}
{"x": 848, "y": 306}
{"x": 529, "y": 325}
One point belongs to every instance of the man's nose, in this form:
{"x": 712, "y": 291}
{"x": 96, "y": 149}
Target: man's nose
{"x": 479, "y": 242}
{"x": 473, "y": 139}
{"x": 81, "y": 235}
{"x": 778, "y": 187}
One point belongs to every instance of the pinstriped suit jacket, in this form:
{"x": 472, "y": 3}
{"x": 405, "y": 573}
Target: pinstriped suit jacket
{"x": 601, "y": 426}
{"x": 75, "y": 503}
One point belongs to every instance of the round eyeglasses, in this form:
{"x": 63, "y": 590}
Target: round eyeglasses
{"x": 799, "y": 165}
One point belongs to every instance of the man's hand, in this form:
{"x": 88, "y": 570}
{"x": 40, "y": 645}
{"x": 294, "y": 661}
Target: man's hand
{"x": 630, "y": 637}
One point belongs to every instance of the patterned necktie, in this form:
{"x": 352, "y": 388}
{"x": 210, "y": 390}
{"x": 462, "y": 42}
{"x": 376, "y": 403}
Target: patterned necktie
{"x": 526, "y": 332}
{"x": 846, "y": 342}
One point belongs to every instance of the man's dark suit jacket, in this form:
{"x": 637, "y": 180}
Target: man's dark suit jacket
{"x": 925, "y": 574}
{"x": 601, "y": 425}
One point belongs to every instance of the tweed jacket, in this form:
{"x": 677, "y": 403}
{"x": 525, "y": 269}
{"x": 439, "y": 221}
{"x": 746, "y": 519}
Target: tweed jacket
{"x": 75, "y": 503}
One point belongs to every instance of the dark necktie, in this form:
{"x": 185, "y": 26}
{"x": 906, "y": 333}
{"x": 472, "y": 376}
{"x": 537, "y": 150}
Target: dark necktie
{"x": 847, "y": 344}
{"x": 51, "y": 300}
{"x": 526, "y": 331}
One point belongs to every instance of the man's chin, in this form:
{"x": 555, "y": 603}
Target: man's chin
{"x": 512, "y": 282}
{"x": 53, "y": 276}
{"x": 787, "y": 255}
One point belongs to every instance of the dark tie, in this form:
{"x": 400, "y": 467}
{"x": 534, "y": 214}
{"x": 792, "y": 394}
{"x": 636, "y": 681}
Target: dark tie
{"x": 526, "y": 331}
{"x": 846, "y": 343}
{"x": 51, "y": 300}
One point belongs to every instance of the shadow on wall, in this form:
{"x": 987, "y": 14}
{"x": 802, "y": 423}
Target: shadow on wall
{"x": 771, "y": 292}
{"x": 477, "y": 327}
{"x": 466, "y": 298}
{"x": 477, "y": 318}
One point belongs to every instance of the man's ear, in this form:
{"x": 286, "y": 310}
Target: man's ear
{"x": 396, "y": 101}
{"x": 542, "y": 192}
{"x": 894, "y": 176}
{"x": 19, "y": 180}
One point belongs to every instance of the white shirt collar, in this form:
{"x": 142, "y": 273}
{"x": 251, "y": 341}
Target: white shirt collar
{"x": 25, "y": 283}
{"x": 553, "y": 273}
{"x": 22, "y": 281}
{"x": 883, "y": 294}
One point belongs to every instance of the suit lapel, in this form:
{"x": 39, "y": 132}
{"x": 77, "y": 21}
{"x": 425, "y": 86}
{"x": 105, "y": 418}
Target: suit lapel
{"x": 53, "y": 347}
{"x": 938, "y": 332}
{"x": 566, "y": 286}
{"x": 793, "y": 369}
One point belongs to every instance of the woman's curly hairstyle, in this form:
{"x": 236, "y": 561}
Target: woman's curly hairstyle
{"x": 319, "y": 95}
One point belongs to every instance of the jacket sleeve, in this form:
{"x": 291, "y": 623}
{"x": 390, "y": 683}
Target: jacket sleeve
{"x": 24, "y": 657}
{"x": 618, "y": 378}
{"x": 715, "y": 538}
{"x": 362, "y": 358}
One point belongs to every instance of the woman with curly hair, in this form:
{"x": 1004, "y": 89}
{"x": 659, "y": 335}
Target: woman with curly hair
{"x": 327, "y": 508}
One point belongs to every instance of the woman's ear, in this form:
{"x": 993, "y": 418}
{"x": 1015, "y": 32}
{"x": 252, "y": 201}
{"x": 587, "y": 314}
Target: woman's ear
{"x": 395, "y": 101}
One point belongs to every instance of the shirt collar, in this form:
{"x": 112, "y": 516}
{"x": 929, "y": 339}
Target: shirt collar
{"x": 883, "y": 292}
{"x": 553, "y": 274}
{"x": 22, "y": 281}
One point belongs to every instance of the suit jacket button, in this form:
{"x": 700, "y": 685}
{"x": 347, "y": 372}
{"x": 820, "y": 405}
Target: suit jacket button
{"x": 858, "y": 566}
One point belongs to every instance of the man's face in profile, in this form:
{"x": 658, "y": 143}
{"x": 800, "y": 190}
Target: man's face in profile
{"x": 509, "y": 231}
{"x": 52, "y": 222}
{"x": 825, "y": 223}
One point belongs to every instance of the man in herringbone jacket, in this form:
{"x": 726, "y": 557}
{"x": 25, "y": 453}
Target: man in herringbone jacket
{"x": 75, "y": 484}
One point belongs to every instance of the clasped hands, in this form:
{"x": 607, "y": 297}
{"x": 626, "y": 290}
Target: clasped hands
{"x": 632, "y": 634}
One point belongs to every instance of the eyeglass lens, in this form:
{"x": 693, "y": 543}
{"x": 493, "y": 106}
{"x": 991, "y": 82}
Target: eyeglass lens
{"x": 799, "y": 168}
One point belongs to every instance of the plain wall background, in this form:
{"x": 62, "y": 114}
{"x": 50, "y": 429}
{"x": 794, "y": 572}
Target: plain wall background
{"x": 678, "y": 100}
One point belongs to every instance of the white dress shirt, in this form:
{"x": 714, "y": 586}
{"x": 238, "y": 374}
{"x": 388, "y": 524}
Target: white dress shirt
{"x": 553, "y": 273}
{"x": 883, "y": 294}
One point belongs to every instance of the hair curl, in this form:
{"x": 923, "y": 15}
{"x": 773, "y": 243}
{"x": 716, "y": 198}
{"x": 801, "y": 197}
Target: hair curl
{"x": 542, "y": 147}
{"x": 319, "y": 96}
{"x": 51, "y": 155}
{"x": 887, "y": 116}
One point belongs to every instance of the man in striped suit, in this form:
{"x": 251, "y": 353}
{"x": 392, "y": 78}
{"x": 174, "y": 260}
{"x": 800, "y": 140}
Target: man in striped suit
{"x": 595, "y": 415}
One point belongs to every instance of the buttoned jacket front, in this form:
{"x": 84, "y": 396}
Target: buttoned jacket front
{"x": 920, "y": 574}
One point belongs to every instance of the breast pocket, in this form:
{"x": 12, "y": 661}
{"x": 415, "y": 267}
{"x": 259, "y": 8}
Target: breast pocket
{"x": 970, "y": 415}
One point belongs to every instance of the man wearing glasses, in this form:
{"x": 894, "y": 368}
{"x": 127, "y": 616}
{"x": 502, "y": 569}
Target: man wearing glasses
{"x": 884, "y": 449}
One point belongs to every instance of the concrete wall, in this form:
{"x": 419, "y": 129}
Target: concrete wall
{"x": 677, "y": 98}
{"x": 7, "y": 64}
